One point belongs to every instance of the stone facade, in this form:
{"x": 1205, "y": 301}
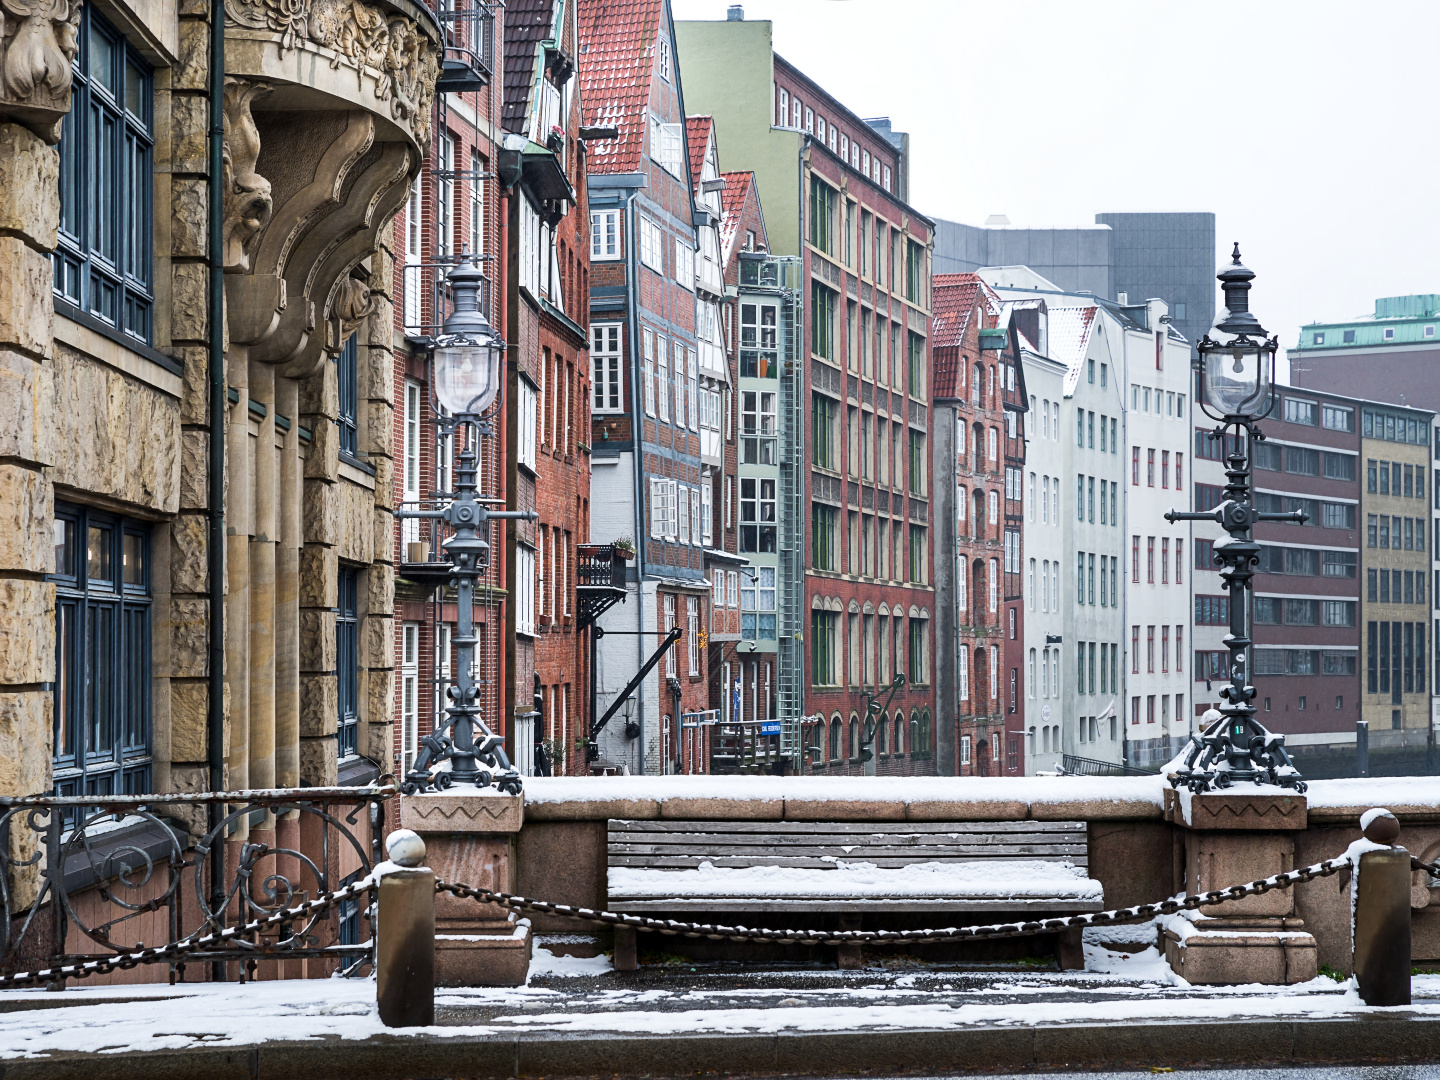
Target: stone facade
{"x": 113, "y": 425}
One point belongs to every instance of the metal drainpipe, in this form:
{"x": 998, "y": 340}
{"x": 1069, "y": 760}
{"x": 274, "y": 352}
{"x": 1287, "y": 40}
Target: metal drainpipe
{"x": 215, "y": 471}
{"x": 637, "y": 432}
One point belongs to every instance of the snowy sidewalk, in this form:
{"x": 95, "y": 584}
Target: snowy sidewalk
{"x": 577, "y": 1017}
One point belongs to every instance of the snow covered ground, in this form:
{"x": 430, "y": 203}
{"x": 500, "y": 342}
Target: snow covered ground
{"x": 574, "y": 995}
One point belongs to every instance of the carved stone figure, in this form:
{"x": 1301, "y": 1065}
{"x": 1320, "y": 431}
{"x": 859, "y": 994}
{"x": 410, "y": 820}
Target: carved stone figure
{"x": 246, "y": 194}
{"x": 390, "y": 48}
{"x": 352, "y": 305}
{"x": 38, "y": 43}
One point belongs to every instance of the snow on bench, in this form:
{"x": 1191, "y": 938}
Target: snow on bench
{"x": 773, "y": 866}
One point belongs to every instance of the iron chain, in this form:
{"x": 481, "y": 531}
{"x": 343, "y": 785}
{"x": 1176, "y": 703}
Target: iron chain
{"x": 175, "y": 951}
{"x": 715, "y": 932}
{"x": 1431, "y": 868}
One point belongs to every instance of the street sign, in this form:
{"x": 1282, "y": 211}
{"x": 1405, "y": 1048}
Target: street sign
{"x": 770, "y": 727}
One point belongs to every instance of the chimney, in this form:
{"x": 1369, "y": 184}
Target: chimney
{"x": 1122, "y": 298}
{"x": 735, "y": 13}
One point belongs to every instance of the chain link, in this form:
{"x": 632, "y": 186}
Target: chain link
{"x": 714, "y": 932}
{"x": 1431, "y": 868}
{"x": 175, "y": 951}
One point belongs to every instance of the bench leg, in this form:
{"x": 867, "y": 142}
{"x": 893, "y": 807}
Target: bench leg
{"x": 624, "y": 957}
{"x": 848, "y": 956}
{"x": 1069, "y": 951}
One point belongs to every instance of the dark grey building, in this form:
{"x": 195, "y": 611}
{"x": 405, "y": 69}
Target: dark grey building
{"x": 1134, "y": 256}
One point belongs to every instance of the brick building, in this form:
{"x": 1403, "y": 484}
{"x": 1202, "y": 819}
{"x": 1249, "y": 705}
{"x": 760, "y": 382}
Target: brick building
{"x": 979, "y": 431}
{"x": 453, "y": 207}
{"x": 548, "y": 384}
{"x": 649, "y": 478}
{"x": 865, "y": 282}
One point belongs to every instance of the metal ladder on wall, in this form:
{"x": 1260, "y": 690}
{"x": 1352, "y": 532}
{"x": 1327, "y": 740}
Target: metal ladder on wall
{"x": 790, "y": 676}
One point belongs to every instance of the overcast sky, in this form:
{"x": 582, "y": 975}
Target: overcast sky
{"x": 1307, "y": 128}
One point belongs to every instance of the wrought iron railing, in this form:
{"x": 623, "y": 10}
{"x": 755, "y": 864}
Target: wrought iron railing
{"x": 84, "y": 878}
{"x": 600, "y": 566}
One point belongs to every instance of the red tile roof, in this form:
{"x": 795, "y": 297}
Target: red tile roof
{"x": 738, "y": 185}
{"x": 697, "y": 138}
{"x": 617, "y": 53}
{"x": 954, "y": 297}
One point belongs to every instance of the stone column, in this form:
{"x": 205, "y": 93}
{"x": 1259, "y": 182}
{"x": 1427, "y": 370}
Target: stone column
{"x": 470, "y": 839}
{"x": 264, "y": 534}
{"x": 287, "y": 594}
{"x": 29, "y": 216}
{"x": 239, "y": 526}
{"x": 1231, "y": 838}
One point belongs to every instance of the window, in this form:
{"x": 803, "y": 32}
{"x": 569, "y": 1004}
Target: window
{"x": 346, "y": 393}
{"x": 668, "y": 617}
{"x": 445, "y": 195}
{"x": 822, "y": 537}
{"x": 822, "y": 216}
{"x": 409, "y": 693}
{"x": 666, "y": 68}
{"x": 477, "y": 204}
{"x": 528, "y": 409}
{"x": 605, "y": 234}
{"x": 652, "y": 245}
{"x": 1336, "y": 418}
{"x": 784, "y": 111}
{"x": 103, "y": 261}
{"x": 605, "y": 368}
{"x": 525, "y": 590}
{"x": 102, "y": 719}
{"x": 692, "y": 633}
{"x": 915, "y": 363}
{"x": 822, "y": 321}
{"x": 684, "y": 264}
{"x": 822, "y": 650}
{"x": 758, "y": 429}
{"x": 824, "y": 415}
{"x": 758, "y": 324}
{"x": 663, "y": 382}
{"x": 1339, "y": 466}
{"x": 1298, "y": 411}
{"x": 347, "y": 661}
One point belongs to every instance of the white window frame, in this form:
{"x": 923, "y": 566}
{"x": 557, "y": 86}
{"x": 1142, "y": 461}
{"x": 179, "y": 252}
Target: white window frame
{"x": 668, "y": 606}
{"x": 648, "y": 336}
{"x": 693, "y": 387}
{"x": 652, "y": 240}
{"x": 696, "y": 525}
{"x": 692, "y": 632}
{"x": 684, "y": 264}
{"x": 707, "y": 511}
{"x": 524, "y": 590}
{"x": 414, "y": 247}
{"x": 662, "y": 376}
{"x": 409, "y": 693}
{"x": 607, "y": 394}
{"x": 410, "y": 468}
{"x": 604, "y": 235}
{"x": 477, "y": 204}
{"x": 527, "y": 435}
{"x": 666, "y": 61}
{"x": 683, "y": 514}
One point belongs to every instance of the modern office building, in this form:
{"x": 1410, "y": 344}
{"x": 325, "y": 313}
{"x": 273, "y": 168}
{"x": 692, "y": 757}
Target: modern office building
{"x": 1127, "y": 258}
{"x": 1392, "y": 354}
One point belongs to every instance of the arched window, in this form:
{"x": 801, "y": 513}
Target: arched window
{"x": 1030, "y": 745}
{"x": 978, "y": 521}
{"x": 923, "y": 742}
{"x": 835, "y": 739}
{"x": 854, "y": 736}
{"x": 882, "y": 735}
{"x": 899, "y": 743}
{"x": 977, "y": 447}
{"x": 1030, "y": 676}
{"x": 976, "y": 382}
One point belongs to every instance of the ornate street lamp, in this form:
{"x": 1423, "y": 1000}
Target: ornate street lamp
{"x": 466, "y": 359}
{"x": 1237, "y": 389}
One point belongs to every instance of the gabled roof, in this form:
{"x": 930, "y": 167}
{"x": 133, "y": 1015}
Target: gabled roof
{"x": 527, "y": 23}
{"x": 698, "y": 130}
{"x": 739, "y": 188}
{"x": 1069, "y": 332}
{"x": 617, "y": 63}
{"x": 953, "y": 304}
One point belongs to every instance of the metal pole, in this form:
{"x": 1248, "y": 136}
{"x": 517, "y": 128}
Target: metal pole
{"x": 215, "y": 466}
{"x": 1362, "y": 747}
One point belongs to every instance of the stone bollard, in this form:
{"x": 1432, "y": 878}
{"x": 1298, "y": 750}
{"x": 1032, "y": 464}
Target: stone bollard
{"x": 1382, "y": 915}
{"x": 405, "y": 945}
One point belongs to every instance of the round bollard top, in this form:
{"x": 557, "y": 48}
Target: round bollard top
{"x": 405, "y": 848}
{"x": 1380, "y": 826}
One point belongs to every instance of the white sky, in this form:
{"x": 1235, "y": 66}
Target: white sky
{"x": 1052, "y": 112}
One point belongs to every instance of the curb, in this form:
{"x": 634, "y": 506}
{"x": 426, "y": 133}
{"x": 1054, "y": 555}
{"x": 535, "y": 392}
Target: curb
{"x": 1348, "y": 1041}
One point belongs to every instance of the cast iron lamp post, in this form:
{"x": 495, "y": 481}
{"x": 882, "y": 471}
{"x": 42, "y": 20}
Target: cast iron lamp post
{"x": 1236, "y": 371}
{"x": 466, "y": 377}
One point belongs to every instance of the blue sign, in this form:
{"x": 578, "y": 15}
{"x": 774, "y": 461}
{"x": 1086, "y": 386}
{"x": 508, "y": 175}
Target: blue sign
{"x": 770, "y": 727}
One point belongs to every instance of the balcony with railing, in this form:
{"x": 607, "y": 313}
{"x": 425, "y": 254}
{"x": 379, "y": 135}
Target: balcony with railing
{"x": 600, "y": 579}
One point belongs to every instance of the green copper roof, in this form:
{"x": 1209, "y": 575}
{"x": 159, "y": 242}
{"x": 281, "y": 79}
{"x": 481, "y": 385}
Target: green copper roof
{"x": 1398, "y": 320}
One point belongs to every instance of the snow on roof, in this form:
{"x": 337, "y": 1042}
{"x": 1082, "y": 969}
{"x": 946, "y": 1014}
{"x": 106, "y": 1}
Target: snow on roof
{"x": 1070, "y": 330}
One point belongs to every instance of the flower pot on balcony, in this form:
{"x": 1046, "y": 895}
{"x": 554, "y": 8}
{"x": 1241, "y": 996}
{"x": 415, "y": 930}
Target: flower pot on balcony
{"x": 624, "y": 553}
{"x": 417, "y": 551}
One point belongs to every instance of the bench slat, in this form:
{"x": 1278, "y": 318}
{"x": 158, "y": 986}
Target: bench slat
{"x": 895, "y": 840}
{"x": 814, "y": 862}
{"x": 982, "y": 828}
{"x": 1044, "y": 852}
{"x": 1052, "y": 906}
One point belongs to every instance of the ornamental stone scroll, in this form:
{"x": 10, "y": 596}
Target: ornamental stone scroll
{"x": 38, "y": 43}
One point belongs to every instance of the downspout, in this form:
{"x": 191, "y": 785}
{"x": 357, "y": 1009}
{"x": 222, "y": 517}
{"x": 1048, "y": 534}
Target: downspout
{"x": 215, "y": 470}
{"x": 637, "y": 435}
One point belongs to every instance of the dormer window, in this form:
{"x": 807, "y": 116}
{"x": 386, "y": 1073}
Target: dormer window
{"x": 1389, "y": 333}
{"x": 1319, "y": 339}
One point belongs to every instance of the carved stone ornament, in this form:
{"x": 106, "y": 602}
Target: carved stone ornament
{"x": 246, "y": 194}
{"x": 38, "y": 43}
{"x": 352, "y": 305}
{"x": 390, "y": 48}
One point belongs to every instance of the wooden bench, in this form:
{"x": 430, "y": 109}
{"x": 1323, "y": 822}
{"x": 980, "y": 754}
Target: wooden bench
{"x": 1027, "y": 868}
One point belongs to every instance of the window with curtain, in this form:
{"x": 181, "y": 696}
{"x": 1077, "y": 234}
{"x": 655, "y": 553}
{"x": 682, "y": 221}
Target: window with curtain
{"x": 103, "y": 260}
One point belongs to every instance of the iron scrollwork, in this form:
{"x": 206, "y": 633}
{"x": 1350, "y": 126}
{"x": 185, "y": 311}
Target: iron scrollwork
{"x": 85, "y": 877}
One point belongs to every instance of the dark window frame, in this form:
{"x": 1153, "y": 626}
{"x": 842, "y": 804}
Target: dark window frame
{"x": 85, "y": 662}
{"x": 347, "y": 662}
{"x": 347, "y": 382}
{"x": 104, "y": 257}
